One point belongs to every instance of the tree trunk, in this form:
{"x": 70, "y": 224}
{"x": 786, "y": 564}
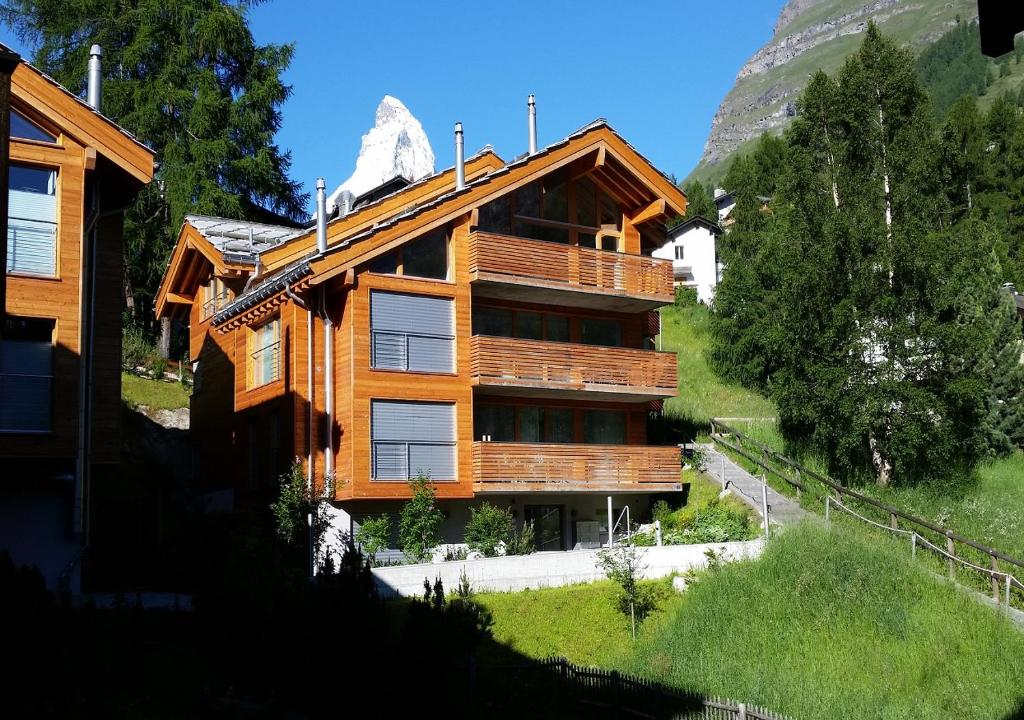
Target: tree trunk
{"x": 163, "y": 346}
{"x": 881, "y": 463}
{"x": 129, "y": 296}
{"x": 831, "y": 167}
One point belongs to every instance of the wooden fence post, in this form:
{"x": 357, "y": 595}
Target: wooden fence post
{"x": 742, "y": 715}
{"x": 799, "y": 483}
{"x": 893, "y": 523}
{"x": 994, "y": 578}
{"x": 951, "y": 549}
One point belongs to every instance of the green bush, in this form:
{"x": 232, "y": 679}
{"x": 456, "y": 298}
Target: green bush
{"x": 715, "y": 522}
{"x": 374, "y": 535}
{"x": 685, "y": 296}
{"x": 156, "y": 366}
{"x": 522, "y": 542}
{"x": 135, "y": 348}
{"x": 489, "y": 527}
{"x": 420, "y": 523}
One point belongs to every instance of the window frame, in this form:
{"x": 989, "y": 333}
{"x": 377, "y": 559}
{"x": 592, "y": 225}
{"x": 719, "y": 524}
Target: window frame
{"x": 409, "y": 470}
{"x": 252, "y": 350}
{"x": 406, "y": 335}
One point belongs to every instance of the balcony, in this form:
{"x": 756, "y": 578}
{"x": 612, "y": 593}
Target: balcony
{"x": 502, "y": 265}
{"x": 510, "y": 366}
{"x": 500, "y": 467}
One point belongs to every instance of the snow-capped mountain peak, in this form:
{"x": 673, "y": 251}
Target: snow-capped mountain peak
{"x": 395, "y": 145}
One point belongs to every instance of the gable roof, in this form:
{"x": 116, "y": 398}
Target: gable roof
{"x": 77, "y": 118}
{"x": 695, "y": 221}
{"x": 597, "y": 140}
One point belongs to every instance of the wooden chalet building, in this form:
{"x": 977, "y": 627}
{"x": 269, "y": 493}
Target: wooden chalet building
{"x": 491, "y": 325}
{"x": 69, "y": 175}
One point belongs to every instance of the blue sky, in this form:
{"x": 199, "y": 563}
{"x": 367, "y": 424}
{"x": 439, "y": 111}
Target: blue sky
{"x": 655, "y": 70}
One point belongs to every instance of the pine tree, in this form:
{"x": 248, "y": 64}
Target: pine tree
{"x": 963, "y": 154}
{"x": 699, "y": 201}
{"x": 188, "y": 79}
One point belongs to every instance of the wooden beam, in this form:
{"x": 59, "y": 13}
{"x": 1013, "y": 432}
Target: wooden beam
{"x": 650, "y": 211}
{"x": 179, "y": 299}
{"x": 90, "y": 158}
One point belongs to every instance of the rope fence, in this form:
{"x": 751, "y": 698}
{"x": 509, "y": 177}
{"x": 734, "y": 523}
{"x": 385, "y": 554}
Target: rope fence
{"x": 796, "y": 475}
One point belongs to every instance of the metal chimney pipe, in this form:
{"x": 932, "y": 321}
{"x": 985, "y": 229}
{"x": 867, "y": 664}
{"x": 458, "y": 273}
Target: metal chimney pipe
{"x": 460, "y": 158}
{"x": 95, "y": 82}
{"x": 532, "y": 105}
{"x": 321, "y": 215}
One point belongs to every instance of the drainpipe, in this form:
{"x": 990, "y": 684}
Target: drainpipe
{"x": 321, "y": 244}
{"x": 532, "y": 105}
{"x": 460, "y": 159}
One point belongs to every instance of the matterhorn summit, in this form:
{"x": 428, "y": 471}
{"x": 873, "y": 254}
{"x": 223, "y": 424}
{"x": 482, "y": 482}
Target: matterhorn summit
{"x": 395, "y": 145}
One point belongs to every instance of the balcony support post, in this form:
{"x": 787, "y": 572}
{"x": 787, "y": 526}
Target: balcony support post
{"x": 610, "y": 528}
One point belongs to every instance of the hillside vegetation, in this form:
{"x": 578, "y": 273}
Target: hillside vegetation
{"x": 828, "y": 624}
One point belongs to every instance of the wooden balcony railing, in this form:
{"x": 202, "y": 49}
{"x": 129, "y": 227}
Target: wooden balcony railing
{"x": 558, "y": 467}
{"x": 512, "y": 362}
{"x": 579, "y": 268}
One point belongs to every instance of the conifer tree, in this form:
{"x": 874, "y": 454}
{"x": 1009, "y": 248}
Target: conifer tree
{"x": 700, "y": 202}
{"x": 188, "y": 79}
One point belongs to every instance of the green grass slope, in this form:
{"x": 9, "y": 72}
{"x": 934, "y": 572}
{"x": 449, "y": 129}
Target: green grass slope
{"x": 154, "y": 394}
{"x": 829, "y": 625}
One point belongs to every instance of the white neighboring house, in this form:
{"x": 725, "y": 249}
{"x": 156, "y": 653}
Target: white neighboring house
{"x": 692, "y": 248}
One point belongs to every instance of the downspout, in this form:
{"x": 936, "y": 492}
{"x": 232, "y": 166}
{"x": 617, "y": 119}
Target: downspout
{"x": 325, "y": 316}
{"x": 309, "y": 382}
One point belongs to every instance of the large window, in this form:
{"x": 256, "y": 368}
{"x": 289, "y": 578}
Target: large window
{"x": 25, "y": 129}
{"x": 412, "y": 332}
{"x": 598, "y": 331}
{"x": 505, "y": 322}
{"x": 425, "y": 257}
{"x": 606, "y": 427}
{"x": 522, "y": 423}
{"x": 265, "y": 353}
{"x": 26, "y": 375}
{"x": 412, "y": 438}
{"x": 32, "y": 221}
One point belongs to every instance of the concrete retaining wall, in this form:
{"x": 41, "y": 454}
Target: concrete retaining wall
{"x": 549, "y": 569}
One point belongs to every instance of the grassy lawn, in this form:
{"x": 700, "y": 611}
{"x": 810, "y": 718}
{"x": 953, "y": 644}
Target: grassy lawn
{"x": 155, "y": 394}
{"x": 578, "y": 622}
{"x": 702, "y": 395}
{"x": 831, "y": 625}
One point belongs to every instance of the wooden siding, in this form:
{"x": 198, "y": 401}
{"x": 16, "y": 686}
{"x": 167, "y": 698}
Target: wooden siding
{"x": 504, "y": 258}
{"x": 556, "y": 467}
{"x": 512, "y": 362}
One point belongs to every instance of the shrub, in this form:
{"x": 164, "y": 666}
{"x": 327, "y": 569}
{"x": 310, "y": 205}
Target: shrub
{"x": 624, "y": 566}
{"x": 374, "y": 535}
{"x": 489, "y": 528}
{"x": 716, "y": 522}
{"x": 661, "y": 512}
{"x": 685, "y": 296}
{"x": 522, "y": 542}
{"x": 156, "y": 366}
{"x": 295, "y": 509}
{"x": 420, "y": 523}
{"x": 135, "y": 348}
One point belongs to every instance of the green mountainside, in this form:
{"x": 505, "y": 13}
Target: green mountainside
{"x": 812, "y": 34}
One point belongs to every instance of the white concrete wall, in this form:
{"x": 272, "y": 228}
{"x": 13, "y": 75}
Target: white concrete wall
{"x": 552, "y": 569}
{"x": 698, "y": 245}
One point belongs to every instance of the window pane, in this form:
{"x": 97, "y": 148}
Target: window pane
{"x": 427, "y": 257}
{"x": 556, "y": 235}
{"x": 431, "y": 354}
{"x": 26, "y": 376}
{"x": 558, "y": 328}
{"x": 588, "y": 240}
{"x": 409, "y": 421}
{"x": 389, "y": 461}
{"x": 556, "y": 203}
{"x": 610, "y": 243}
{"x": 492, "y": 321}
{"x": 496, "y": 422}
{"x": 528, "y": 326}
{"x": 22, "y": 127}
{"x": 558, "y": 425}
{"x": 412, "y": 332}
{"x": 586, "y": 203}
{"x": 436, "y": 461}
{"x": 385, "y": 264}
{"x": 604, "y": 426}
{"x": 529, "y": 424}
{"x": 389, "y": 351}
{"x": 610, "y": 213}
{"x": 595, "y": 331}
{"x": 528, "y": 200}
{"x": 496, "y": 216}
{"x": 32, "y": 220}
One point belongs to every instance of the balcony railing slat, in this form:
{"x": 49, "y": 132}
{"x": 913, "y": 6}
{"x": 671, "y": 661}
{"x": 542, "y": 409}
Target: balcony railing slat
{"x": 509, "y": 467}
{"x": 501, "y": 360}
{"x": 580, "y": 267}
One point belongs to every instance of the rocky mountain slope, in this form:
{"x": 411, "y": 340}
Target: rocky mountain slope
{"x": 810, "y": 34}
{"x": 395, "y": 145}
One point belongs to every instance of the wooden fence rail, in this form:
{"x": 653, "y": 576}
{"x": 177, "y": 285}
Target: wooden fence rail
{"x": 627, "y": 695}
{"x": 762, "y": 456}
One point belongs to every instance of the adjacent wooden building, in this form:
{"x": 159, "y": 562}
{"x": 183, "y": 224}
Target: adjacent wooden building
{"x": 491, "y": 326}
{"x": 69, "y": 174}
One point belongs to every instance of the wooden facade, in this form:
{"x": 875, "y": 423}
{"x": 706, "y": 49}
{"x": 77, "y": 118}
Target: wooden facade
{"x": 312, "y": 295}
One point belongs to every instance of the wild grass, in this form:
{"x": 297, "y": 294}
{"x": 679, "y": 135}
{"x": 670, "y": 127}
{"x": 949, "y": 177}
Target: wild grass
{"x": 155, "y": 394}
{"x": 833, "y": 624}
{"x": 578, "y": 622}
{"x": 702, "y": 394}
